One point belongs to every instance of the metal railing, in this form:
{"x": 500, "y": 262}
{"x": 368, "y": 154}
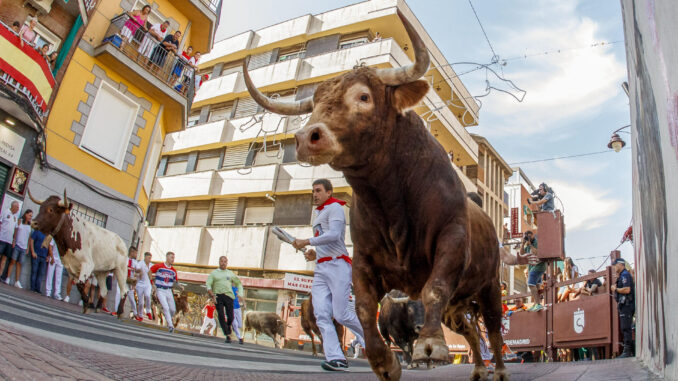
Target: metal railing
{"x": 139, "y": 44}
{"x": 212, "y": 4}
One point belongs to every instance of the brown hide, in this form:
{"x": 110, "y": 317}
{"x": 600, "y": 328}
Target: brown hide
{"x": 181, "y": 303}
{"x": 310, "y": 327}
{"x": 267, "y": 323}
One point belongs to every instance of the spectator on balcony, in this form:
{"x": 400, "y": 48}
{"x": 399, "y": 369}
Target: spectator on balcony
{"x": 52, "y": 59}
{"x": 169, "y": 44}
{"x": 571, "y": 271}
{"x": 181, "y": 63}
{"x": 16, "y": 27}
{"x": 157, "y": 33}
{"x": 44, "y": 51}
{"x": 28, "y": 33}
{"x": 136, "y": 21}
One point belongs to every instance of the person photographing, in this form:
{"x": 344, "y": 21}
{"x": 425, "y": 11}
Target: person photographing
{"x": 333, "y": 274}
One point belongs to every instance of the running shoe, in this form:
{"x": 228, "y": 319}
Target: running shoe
{"x": 67, "y": 299}
{"x": 335, "y": 365}
{"x": 139, "y": 318}
{"x": 57, "y": 297}
{"x": 17, "y": 284}
{"x": 241, "y": 341}
{"x": 228, "y": 340}
{"x": 105, "y": 310}
{"x": 171, "y": 330}
{"x": 6, "y": 280}
{"x": 148, "y": 315}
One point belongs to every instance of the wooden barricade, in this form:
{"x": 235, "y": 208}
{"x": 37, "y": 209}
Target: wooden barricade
{"x": 523, "y": 330}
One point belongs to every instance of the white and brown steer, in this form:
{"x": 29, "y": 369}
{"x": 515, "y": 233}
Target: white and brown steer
{"x": 85, "y": 248}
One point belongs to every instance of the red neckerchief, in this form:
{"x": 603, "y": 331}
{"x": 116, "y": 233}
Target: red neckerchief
{"x": 331, "y": 200}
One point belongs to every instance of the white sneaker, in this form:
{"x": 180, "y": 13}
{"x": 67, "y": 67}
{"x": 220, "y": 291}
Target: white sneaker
{"x": 57, "y": 297}
{"x": 67, "y": 299}
{"x": 7, "y": 280}
{"x": 80, "y": 303}
{"x": 17, "y": 284}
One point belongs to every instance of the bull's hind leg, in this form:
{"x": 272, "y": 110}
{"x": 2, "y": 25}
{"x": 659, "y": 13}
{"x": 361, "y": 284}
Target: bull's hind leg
{"x": 383, "y": 362}
{"x": 490, "y": 307}
{"x": 120, "y": 272}
{"x": 84, "y": 295}
{"x": 446, "y": 271}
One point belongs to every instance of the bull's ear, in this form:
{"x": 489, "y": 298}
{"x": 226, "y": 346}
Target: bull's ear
{"x": 408, "y": 95}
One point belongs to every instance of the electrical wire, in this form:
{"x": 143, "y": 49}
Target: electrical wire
{"x": 566, "y": 157}
{"x": 495, "y": 57}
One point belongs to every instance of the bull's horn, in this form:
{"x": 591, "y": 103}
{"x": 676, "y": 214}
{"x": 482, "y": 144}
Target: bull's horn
{"x": 35, "y": 200}
{"x": 64, "y": 202}
{"x": 299, "y": 107}
{"x": 410, "y": 73}
{"x": 399, "y": 300}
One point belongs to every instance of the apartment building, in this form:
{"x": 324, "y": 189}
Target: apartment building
{"x": 232, "y": 174}
{"x": 114, "y": 101}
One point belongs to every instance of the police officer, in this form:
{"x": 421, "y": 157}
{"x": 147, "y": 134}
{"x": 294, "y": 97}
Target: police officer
{"x": 624, "y": 292}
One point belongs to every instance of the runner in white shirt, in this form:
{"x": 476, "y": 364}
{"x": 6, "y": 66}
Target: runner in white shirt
{"x": 55, "y": 272}
{"x": 8, "y": 223}
{"x": 144, "y": 287}
{"x": 332, "y": 278}
{"x": 154, "y": 36}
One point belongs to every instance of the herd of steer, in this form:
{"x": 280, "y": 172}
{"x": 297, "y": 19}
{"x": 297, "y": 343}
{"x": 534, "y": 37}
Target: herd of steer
{"x": 412, "y": 226}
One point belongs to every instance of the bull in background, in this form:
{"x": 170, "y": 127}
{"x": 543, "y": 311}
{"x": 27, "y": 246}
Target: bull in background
{"x": 309, "y": 325}
{"x": 411, "y": 225}
{"x": 267, "y": 323}
{"x": 85, "y": 248}
{"x": 400, "y": 321}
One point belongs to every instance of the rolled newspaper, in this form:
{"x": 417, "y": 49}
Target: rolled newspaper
{"x": 285, "y": 236}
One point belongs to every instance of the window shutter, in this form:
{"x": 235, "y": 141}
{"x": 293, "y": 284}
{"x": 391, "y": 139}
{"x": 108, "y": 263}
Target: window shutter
{"x": 245, "y": 107}
{"x": 236, "y": 156}
{"x": 224, "y": 211}
{"x": 259, "y": 60}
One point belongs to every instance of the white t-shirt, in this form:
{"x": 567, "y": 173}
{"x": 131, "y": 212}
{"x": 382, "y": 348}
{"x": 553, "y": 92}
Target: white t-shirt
{"x": 156, "y": 28}
{"x": 329, "y": 231}
{"x": 8, "y": 222}
{"x": 23, "y": 232}
{"x": 143, "y": 280}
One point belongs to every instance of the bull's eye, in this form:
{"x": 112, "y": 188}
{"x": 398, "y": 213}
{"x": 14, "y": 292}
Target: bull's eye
{"x": 364, "y": 97}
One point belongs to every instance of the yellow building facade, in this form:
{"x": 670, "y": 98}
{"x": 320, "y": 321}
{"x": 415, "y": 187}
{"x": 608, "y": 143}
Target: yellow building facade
{"x": 120, "y": 95}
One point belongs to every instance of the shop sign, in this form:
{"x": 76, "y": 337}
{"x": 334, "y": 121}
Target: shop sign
{"x": 11, "y": 145}
{"x": 298, "y": 282}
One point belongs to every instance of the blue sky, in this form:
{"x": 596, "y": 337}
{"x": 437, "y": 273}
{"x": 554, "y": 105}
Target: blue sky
{"x": 574, "y": 98}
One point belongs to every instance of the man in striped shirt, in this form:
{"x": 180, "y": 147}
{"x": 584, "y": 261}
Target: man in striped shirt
{"x": 165, "y": 276}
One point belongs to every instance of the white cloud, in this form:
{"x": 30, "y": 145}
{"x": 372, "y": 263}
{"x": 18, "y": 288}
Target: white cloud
{"x": 585, "y": 207}
{"x": 561, "y": 86}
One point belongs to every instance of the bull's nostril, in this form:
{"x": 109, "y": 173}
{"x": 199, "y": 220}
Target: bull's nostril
{"x": 315, "y": 135}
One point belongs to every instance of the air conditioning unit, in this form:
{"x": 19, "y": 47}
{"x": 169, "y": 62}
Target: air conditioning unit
{"x": 43, "y": 6}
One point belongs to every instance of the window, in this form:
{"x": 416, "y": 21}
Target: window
{"x": 208, "y": 160}
{"x": 259, "y": 299}
{"x": 193, "y": 119}
{"x": 224, "y": 211}
{"x": 166, "y": 214}
{"x": 89, "y": 214}
{"x": 109, "y": 125}
{"x": 272, "y": 154}
{"x": 44, "y": 36}
{"x": 197, "y": 213}
{"x": 153, "y": 17}
{"x": 353, "y": 42}
{"x": 176, "y": 165}
{"x": 258, "y": 211}
{"x": 220, "y": 112}
{"x": 291, "y": 56}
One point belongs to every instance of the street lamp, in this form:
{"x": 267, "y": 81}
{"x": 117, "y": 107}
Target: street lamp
{"x": 616, "y": 142}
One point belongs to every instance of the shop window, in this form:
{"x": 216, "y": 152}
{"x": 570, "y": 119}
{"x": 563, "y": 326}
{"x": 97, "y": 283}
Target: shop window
{"x": 261, "y": 299}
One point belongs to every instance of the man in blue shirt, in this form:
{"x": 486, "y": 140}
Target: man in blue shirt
{"x": 237, "y": 316}
{"x": 39, "y": 257}
{"x": 624, "y": 292}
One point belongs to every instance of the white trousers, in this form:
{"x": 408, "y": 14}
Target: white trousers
{"x": 144, "y": 294}
{"x": 208, "y": 322}
{"x": 130, "y": 297}
{"x": 54, "y": 274}
{"x": 331, "y": 290}
{"x": 237, "y": 322}
{"x": 167, "y": 302}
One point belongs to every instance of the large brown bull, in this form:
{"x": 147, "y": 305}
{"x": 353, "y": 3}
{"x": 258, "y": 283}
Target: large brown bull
{"x": 309, "y": 325}
{"x": 267, "y": 323}
{"x": 410, "y": 217}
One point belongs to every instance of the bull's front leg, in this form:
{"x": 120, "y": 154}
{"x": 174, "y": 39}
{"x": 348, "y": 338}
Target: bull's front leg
{"x": 383, "y": 362}
{"x": 446, "y": 272}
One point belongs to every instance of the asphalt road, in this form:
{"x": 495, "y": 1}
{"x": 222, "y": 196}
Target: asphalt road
{"x": 38, "y": 334}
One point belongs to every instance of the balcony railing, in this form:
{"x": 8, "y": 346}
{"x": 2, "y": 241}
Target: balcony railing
{"x": 137, "y": 43}
{"x": 212, "y": 4}
{"x": 25, "y": 70}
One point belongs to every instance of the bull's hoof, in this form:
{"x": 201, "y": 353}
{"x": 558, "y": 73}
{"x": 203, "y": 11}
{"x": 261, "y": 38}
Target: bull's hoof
{"x": 390, "y": 370}
{"x": 501, "y": 375}
{"x": 479, "y": 373}
{"x": 430, "y": 349}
